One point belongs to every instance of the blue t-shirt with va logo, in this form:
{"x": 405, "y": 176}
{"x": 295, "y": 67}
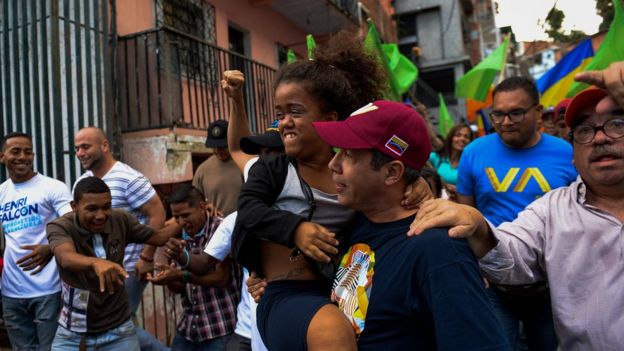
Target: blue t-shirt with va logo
{"x": 504, "y": 180}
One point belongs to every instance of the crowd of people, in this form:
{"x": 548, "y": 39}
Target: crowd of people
{"x": 344, "y": 226}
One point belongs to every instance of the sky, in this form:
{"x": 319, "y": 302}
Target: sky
{"x": 523, "y": 16}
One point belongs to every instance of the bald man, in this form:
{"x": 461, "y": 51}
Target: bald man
{"x": 131, "y": 192}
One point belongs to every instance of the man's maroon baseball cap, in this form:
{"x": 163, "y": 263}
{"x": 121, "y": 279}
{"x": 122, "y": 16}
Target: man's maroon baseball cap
{"x": 586, "y": 98}
{"x": 391, "y": 127}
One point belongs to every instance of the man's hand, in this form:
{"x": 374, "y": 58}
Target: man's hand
{"x": 232, "y": 84}
{"x": 315, "y": 241}
{"x": 464, "y": 220}
{"x": 416, "y": 193}
{"x": 111, "y": 275}
{"x": 256, "y": 286}
{"x": 142, "y": 268}
{"x": 166, "y": 274}
{"x": 40, "y": 256}
{"x": 610, "y": 79}
{"x": 212, "y": 210}
{"x": 422, "y": 109}
{"x": 174, "y": 250}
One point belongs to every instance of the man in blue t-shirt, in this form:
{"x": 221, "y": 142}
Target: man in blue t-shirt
{"x": 400, "y": 293}
{"x": 500, "y": 174}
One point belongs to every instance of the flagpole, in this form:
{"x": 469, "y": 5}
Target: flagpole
{"x": 503, "y": 68}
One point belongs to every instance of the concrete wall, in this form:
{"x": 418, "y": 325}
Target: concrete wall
{"x": 265, "y": 29}
{"x": 164, "y": 155}
{"x": 439, "y": 28}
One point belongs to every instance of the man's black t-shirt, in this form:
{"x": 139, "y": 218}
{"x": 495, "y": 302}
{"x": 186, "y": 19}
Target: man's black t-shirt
{"x": 414, "y": 293}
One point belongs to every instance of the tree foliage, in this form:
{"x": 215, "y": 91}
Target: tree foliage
{"x": 604, "y": 8}
{"x": 553, "y": 27}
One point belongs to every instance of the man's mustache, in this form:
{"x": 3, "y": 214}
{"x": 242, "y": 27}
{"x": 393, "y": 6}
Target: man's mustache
{"x": 605, "y": 150}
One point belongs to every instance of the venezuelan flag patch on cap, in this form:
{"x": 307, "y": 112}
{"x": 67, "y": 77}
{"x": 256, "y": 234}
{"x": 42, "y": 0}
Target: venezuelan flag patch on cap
{"x": 396, "y": 145}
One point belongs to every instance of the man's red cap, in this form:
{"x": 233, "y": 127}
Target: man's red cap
{"x": 393, "y": 128}
{"x": 586, "y": 98}
{"x": 561, "y": 108}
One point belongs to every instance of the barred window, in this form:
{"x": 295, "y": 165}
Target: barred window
{"x": 194, "y": 20}
{"x": 192, "y": 17}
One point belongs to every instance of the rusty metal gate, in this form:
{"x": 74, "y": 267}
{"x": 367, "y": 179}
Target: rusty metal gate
{"x": 56, "y": 76}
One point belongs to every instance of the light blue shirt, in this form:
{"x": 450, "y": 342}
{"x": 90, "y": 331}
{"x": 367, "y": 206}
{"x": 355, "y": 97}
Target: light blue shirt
{"x": 447, "y": 172}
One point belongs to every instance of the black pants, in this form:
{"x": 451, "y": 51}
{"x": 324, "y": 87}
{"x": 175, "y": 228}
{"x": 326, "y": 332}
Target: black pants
{"x": 238, "y": 343}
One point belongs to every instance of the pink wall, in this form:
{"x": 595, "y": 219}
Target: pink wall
{"x": 265, "y": 26}
{"x": 135, "y": 16}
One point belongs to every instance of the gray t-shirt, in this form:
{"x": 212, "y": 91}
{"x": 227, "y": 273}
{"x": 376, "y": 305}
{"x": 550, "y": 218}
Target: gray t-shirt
{"x": 327, "y": 212}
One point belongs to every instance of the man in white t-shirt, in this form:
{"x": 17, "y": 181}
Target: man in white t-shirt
{"x": 132, "y": 192}
{"x": 30, "y": 280}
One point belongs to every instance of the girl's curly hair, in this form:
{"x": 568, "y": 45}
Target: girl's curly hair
{"x": 342, "y": 77}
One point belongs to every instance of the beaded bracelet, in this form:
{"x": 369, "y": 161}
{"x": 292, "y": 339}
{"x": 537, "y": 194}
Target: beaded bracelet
{"x": 188, "y": 259}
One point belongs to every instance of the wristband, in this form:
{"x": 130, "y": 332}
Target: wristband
{"x": 146, "y": 259}
{"x": 186, "y": 277}
{"x": 188, "y": 259}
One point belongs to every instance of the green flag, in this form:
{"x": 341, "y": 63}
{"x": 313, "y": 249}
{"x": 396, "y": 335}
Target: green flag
{"x": 611, "y": 49}
{"x": 291, "y": 56}
{"x": 373, "y": 45}
{"x": 311, "y": 43}
{"x": 445, "y": 121}
{"x": 402, "y": 70}
{"x": 476, "y": 82}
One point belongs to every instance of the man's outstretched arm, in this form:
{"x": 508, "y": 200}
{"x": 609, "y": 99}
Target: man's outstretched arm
{"x": 110, "y": 274}
{"x": 512, "y": 253}
{"x": 464, "y": 222}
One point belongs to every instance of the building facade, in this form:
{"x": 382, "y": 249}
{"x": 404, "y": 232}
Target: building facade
{"x": 171, "y": 55}
{"x": 148, "y": 72}
{"x": 445, "y": 38}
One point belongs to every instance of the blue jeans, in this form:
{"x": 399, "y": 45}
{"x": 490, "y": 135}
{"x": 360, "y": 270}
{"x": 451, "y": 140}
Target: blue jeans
{"x": 180, "y": 343}
{"x": 31, "y": 323}
{"x": 537, "y": 331}
{"x": 134, "y": 289}
{"x": 122, "y": 337}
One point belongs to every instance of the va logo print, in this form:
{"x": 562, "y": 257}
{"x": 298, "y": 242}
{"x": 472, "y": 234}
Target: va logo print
{"x": 531, "y": 172}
